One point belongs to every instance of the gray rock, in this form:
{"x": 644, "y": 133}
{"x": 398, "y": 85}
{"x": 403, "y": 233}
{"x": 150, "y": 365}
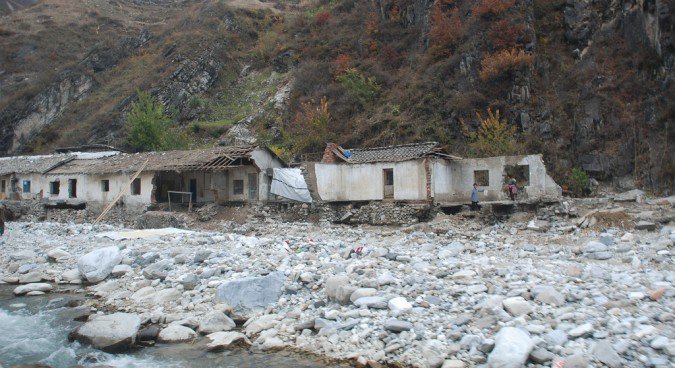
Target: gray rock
{"x": 223, "y": 340}
{"x": 28, "y": 288}
{"x": 250, "y": 295}
{"x": 512, "y": 348}
{"x": 396, "y": 325}
{"x": 375, "y": 302}
{"x": 58, "y": 255}
{"x": 112, "y": 333}
{"x": 645, "y": 225}
{"x": 451, "y": 250}
{"x": 338, "y": 289}
{"x": 579, "y": 331}
{"x": 517, "y": 306}
{"x": 31, "y": 277}
{"x": 158, "y": 270}
{"x": 189, "y": 281}
{"x": 604, "y": 352}
{"x": 95, "y": 266}
{"x": 548, "y": 295}
{"x": 202, "y": 255}
{"x": 601, "y": 256}
{"x": 166, "y": 296}
{"x": 595, "y": 246}
{"x": 214, "y": 322}
{"x": 362, "y": 292}
{"x": 25, "y": 268}
{"x": 121, "y": 270}
{"x": 433, "y": 354}
{"x": 541, "y": 356}
{"x": 176, "y": 333}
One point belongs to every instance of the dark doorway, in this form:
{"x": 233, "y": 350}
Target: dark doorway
{"x": 193, "y": 189}
{"x": 252, "y": 187}
{"x": 72, "y": 188}
{"x": 388, "y": 178}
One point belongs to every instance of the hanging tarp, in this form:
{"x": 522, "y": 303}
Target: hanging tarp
{"x": 289, "y": 183}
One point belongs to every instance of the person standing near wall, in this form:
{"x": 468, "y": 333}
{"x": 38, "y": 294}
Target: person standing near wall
{"x": 512, "y": 187}
{"x": 3, "y": 210}
{"x": 474, "y": 197}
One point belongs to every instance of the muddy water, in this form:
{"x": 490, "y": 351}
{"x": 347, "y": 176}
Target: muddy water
{"x": 35, "y": 330}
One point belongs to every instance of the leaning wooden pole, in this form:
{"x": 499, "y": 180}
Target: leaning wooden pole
{"x": 122, "y": 192}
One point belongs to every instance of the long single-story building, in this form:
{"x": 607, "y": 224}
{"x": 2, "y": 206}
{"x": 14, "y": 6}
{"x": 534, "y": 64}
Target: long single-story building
{"x": 222, "y": 174}
{"x": 423, "y": 172}
{"x": 23, "y": 177}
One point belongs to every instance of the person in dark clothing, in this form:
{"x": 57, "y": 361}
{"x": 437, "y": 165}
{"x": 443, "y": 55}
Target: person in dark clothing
{"x": 2, "y": 219}
{"x": 474, "y": 197}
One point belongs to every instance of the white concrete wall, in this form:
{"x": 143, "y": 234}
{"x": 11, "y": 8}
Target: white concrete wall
{"x": 264, "y": 160}
{"x": 89, "y": 188}
{"x": 36, "y": 184}
{"x": 453, "y": 180}
{"x": 365, "y": 182}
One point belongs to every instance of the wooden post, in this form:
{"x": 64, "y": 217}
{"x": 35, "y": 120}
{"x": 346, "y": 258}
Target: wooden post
{"x": 124, "y": 190}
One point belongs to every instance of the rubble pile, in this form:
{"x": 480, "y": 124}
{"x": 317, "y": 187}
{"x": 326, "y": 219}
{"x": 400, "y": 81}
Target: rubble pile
{"x": 535, "y": 290}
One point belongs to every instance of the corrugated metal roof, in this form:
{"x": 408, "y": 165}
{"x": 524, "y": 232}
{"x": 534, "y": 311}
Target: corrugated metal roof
{"x": 206, "y": 159}
{"x": 391, "y": 153}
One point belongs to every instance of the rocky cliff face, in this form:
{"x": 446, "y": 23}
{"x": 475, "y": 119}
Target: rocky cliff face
{"x": 597, "y": 93}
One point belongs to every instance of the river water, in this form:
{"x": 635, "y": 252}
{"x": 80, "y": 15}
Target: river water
{"x": 34, "y": 330}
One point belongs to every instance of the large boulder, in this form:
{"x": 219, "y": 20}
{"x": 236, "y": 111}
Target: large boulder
{"x": 95, "y": 266}
{"x": 250, "y": 295}
{"x": 111, "y": 333}
{"x": 512, "y": 348}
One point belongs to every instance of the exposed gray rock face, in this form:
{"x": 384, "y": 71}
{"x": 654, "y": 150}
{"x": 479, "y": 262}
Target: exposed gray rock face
{"x": 95, "y": 266}
{"x": 112, "y": 333}
{"x": 512, "y": 348}
{"x": 249, "y": 295}
{"x": 44, "y": 108}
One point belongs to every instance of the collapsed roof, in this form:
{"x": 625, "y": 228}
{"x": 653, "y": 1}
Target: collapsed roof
{"x": 213, "y": 159}
{"x": 31, "y": 164}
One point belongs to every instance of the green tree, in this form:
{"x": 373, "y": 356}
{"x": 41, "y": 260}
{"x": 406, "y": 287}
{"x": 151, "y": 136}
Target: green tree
{"x": 493, "y": 137}
{"x": 363, "y": 90}
{"x": 311, "y": 128}
{"x": 578, "y": 181}
{"x": 149, "y": 128}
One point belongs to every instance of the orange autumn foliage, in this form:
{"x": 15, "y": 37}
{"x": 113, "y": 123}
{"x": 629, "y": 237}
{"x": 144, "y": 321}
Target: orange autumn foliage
{"x": 502, "y": 62}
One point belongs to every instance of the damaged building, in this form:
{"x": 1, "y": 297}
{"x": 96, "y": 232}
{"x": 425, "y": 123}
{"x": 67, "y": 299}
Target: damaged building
{"x": 424, "y": 172}
{"x": 222, "y": 174}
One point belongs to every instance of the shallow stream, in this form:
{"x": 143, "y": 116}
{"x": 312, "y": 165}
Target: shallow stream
{"x": 34, "y": 330}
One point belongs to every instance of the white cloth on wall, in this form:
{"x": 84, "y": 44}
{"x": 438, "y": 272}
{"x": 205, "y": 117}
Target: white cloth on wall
{"x": 289, "y": 183}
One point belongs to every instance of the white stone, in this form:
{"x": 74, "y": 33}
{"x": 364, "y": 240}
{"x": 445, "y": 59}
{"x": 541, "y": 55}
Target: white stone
{"x": 112, "y": 333}
{"x": 95, "y": 266}
{"x": 38, "y": 286}
{"x": 176, "y": 333}
{"x": 399, "y": 305}
{"x": 582, "y": 330}
{"x": 223, "y": 340}
{"x": 214, "y": 322}
{"x": 517, "y": 306}
{"x": 512, "y": 348}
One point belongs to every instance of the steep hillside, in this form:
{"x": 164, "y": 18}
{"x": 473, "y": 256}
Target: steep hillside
{"x": 588, "y": 84}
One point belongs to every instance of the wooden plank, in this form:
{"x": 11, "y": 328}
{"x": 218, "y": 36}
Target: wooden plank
{"x": 124, "y": 190}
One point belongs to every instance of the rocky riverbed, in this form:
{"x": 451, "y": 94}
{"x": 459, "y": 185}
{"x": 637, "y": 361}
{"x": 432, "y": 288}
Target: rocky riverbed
{"x": 460, "y": 291}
